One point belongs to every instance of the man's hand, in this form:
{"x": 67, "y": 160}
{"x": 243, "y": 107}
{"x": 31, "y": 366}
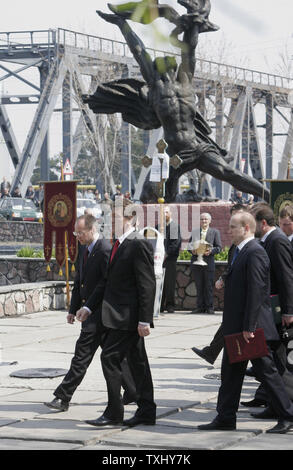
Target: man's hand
{"x": 247, "y": 335}
{"x": 82, "y": 314}
{"x": 143, "y": 330}
{"x": 219, "y": 284}
{"x": 70, "y": 318}
{"x": 287, "y": 320}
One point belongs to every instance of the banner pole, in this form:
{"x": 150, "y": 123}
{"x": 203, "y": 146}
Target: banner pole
{"x": 66, "y": 254}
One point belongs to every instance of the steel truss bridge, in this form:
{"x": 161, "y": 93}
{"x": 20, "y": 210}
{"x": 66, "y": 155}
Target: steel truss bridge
{"x": 71, "y": 63}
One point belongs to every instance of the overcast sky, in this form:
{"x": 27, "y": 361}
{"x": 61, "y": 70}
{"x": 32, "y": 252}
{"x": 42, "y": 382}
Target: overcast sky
{"x": 258, "y": 29}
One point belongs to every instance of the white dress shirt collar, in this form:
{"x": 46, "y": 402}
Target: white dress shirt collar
{"x": 244, "y": 242}
{"x": 267, "y": 234}
{"x": 91, "y": 245}
{"x": 125, "y": 235}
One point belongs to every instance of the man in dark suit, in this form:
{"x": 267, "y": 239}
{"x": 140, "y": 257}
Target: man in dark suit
{"x": 127, "y": 314}
{"x": 204, "y": 275}
{"x": 210, "y": 353}
{"x": 94, "y": 253}
{"x": 247, "y": 307}
{"x": 172, "y": 244}
{"x": 286, "y": 222}
{"x": 280, "y": 253}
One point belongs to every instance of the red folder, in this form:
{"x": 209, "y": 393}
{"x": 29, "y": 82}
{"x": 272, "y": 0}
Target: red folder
{"x": 238, "y": 350}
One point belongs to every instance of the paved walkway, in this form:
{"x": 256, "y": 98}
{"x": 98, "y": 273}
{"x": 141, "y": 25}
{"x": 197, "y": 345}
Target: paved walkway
{"x": 185, "y": 390}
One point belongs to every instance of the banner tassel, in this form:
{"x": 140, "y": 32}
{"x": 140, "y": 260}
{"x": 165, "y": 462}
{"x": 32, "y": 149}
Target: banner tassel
{"x": 73, "y": 268}
{"x": 60, "y": 272}
{"x": 48, "y": 268}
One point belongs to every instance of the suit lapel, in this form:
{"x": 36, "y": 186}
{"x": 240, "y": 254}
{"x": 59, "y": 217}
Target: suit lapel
{"x": 90, "y": 257}
{"x": 239, "y": 257}
{"x": 118, "y": 253}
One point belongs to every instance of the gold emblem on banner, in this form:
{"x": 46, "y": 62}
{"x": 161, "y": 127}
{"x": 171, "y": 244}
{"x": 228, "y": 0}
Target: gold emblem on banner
{"x": 60, "y": 210}
{"x": 282, "y": 201}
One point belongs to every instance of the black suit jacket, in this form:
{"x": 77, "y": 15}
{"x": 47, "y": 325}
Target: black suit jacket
{"x": 129, "y": 294}
{"x": 86, "y": 279}
{"x": 280, "y": 253}
{"x": 247, "y": 293}
{"x": 214, "y": 238}
{"x": 172, "y": 241}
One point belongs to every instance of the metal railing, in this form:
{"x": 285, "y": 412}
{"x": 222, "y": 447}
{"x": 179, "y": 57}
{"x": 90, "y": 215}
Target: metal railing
{"x": 208, "y": 68}
{"x": 19, "y": 40}
{"x": 40, "y": 39}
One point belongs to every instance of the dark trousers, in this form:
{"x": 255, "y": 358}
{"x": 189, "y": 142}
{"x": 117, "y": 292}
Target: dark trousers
{"x": 168, "y": 295}
{"x": 232, "y": 376}
{"x": 204, "y": 281}
{"x": 85, "y": 349}
{"x": 280, "y": 357}
{"x": 217, "y": 344}
{"x": 117, "y": 346}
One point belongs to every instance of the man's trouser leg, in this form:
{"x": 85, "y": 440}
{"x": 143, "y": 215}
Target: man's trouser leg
{"x": 85, "y": 349}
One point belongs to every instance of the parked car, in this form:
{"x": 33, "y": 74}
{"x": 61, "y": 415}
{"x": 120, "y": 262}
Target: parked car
{"x": 14, "y": 208}
{"x": 91, "y": 205}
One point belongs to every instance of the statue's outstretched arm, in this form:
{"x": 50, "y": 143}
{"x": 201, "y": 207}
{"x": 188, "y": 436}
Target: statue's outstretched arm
{"x": 134, "y": 43}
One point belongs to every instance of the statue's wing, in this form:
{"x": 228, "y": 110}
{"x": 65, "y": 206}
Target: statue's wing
{"x": 126, "y": 96}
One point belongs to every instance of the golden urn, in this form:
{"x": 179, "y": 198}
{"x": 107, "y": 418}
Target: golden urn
{"x": 201, "y": 247}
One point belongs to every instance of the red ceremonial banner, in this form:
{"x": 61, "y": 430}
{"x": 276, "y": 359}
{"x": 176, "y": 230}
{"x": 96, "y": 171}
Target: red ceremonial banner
{"x": 60, "y": 217}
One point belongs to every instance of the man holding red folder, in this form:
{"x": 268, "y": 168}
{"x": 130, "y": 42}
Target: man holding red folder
{"x": 246, "y": 308}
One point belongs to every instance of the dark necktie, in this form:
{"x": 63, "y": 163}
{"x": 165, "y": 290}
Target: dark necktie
{"x": 85, "y": 256}
{"x": 115, "y": 248}
{"x": 235, "y": 254}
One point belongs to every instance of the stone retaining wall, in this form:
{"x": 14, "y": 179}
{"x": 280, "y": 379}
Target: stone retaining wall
{"x": 18, "y": 232}
{"x": 32, "y": 298}
{"x": 185, "y": 291}
{"x": 14, "y": 270}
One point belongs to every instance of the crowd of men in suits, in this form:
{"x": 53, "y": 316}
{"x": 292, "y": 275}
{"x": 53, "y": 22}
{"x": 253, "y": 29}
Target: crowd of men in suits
{"x": 114, "y": 293}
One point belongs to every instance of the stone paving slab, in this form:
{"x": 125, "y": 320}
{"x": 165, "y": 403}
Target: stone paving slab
{"x": 17, "y": 444}
{"x": 7, "y": 421}
{"x": 192, "y": 417}
{"x": 21, "y": 410}
{"x": 172, "y": 438}
{"x": 35, "y": 396}
{"x": 266, "y": 442}
{"x": 54, "y": 430}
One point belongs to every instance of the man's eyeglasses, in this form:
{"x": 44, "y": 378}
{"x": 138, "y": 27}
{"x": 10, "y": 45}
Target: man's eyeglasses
{"x": 78, "y": 234}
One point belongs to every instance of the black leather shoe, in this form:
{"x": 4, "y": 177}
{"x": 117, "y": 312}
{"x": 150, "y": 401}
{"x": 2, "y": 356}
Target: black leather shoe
{"x": 265, "y": 414}
{"x": 103, "y": 421}
{"x": 217, "y": 425}
{"x": 281, "y": 428}
{"x": 170, "y": 310}
{"x": 203, "y": 354}
{"x": 254, "y": 403}
{"x": 58, "y": 404}
{"x": 135, "y": 420}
